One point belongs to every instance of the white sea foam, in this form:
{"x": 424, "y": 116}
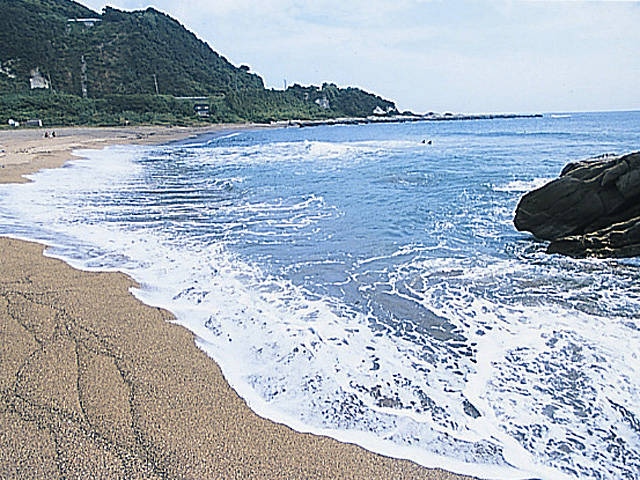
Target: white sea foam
{"x": 522, "y": 185}
{"x": 459, "y": 375}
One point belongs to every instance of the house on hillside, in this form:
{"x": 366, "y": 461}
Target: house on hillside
{"x": 201, "y": 109}
{"x": 37, "y": 80}
{"x": 382, "y": 111}
{"x": 87, "y": 22}
{"x": 323, "y": 103}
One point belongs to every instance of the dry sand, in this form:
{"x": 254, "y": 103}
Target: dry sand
{"x": 95, "y": 384}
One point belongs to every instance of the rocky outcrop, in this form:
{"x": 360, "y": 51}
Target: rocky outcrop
{"x": 592, "y": 209}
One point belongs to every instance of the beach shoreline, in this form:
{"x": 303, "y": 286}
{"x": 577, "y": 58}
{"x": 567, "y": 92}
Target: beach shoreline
{"x": 96, "y": 384}
{"x": 27, "y": 150}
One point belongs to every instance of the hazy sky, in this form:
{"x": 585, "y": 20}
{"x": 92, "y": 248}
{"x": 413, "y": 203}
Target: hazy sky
{"x": 449, "y": 55}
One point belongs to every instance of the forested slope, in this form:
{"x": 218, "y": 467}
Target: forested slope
{"x": 114, "y": 66}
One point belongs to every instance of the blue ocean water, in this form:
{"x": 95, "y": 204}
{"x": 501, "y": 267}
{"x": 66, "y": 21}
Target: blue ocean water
{"x": 356, "y": 282}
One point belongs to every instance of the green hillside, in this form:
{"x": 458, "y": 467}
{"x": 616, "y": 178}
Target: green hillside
{"x": 67, "y": 64}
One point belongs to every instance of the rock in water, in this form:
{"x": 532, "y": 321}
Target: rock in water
{"x": 592, "y": 209}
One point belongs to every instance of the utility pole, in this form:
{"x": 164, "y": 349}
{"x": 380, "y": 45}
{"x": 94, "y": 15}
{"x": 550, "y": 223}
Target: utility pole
{"x": 83, "y": 76}
{"x": 155, "y": 81}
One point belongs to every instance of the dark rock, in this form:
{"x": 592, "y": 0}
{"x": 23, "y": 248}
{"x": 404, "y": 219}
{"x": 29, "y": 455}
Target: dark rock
{"x": 592, "y": 209}
{"x": 619, "y": 240}
{"x": 470, "y": 409}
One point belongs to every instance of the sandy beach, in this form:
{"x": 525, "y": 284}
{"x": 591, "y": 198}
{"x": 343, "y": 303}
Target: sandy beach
{"x": 27, "y": 150}
{"x": 95, "y": 384}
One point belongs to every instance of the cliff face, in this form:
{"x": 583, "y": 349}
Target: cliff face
{"x": 592, "y": 209}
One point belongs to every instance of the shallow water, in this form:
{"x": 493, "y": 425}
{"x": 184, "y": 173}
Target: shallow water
{"x": 353, "y": 281}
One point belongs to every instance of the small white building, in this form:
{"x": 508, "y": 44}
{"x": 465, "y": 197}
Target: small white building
{"x": 381, "y": 111}
{"x": 323, "y": 103}
{"x": 37, "y": 80}
{"x": 87, "y": 22}
{"x": 201, "y": 109}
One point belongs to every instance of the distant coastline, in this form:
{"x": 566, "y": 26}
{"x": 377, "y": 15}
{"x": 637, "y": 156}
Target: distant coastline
{"x": 299, "y": 123}
{"x": 429, "y": 117}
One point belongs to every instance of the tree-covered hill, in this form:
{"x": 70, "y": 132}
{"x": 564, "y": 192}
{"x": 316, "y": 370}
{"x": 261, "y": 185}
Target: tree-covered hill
{"x": 124, "y": 52}
{"x": 114, "y": 66}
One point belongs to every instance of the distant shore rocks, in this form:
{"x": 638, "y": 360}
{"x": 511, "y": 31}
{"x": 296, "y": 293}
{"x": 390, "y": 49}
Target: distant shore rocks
{"x": 592, "y": 209}
{"x": 403, "y": 118}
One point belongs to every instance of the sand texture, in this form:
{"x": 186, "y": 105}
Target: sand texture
{"x": 95, "y": 384}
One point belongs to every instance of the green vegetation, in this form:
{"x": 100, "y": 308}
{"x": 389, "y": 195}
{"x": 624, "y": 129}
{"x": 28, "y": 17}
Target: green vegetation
{"x": 138, "y": 67}
{"x": 69, "y": 110}
{"x": 349, "y": 102}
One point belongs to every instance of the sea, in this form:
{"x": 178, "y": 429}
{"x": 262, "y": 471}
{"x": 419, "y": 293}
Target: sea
{"x": 360, "y": 282}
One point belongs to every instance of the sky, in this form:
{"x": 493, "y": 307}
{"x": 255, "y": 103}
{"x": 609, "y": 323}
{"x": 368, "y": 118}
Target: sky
{"x": 431, "y": 55}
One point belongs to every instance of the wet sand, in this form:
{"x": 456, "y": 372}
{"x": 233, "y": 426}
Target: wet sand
{"x": 95, "y": 384}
